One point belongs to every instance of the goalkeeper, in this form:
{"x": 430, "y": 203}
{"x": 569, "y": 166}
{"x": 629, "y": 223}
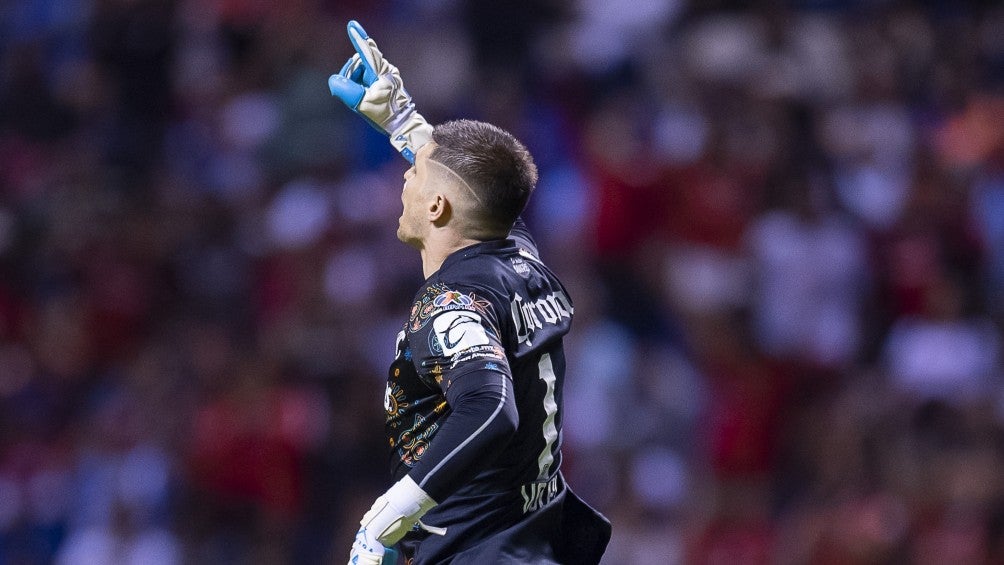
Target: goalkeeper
{"x": 473, "y": 398}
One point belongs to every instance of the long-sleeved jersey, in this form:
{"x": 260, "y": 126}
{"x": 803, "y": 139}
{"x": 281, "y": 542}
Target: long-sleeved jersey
{"x": 474, "y": 412}
{"x": 493, "y": 314}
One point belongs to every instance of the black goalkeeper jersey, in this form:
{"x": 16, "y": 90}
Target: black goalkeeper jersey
{"x": 491, "y": 307}
{"x": 474, "y": 413}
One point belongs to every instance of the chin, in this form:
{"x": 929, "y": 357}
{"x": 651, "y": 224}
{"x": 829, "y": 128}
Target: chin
{"x": 402, "y": 236}
{"x": 409, "y": 240}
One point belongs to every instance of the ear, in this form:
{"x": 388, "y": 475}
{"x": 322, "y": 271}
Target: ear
{"x": 439, "y": 210}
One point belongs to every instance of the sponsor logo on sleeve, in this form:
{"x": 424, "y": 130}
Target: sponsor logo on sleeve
{"x": 439, "y": 298}
{"x": 458, "y": 330}
{"x": 477, "y": 353}
{"x": 452, "y": 298}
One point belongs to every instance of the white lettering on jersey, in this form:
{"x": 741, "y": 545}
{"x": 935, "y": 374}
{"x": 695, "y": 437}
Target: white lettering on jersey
{"x": 458, "y": 330}
{"x": 538, "y": 495}
{"x": 527, "y": 315}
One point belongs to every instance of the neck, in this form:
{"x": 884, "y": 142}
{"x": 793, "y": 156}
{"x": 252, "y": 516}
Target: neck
{"x": 438, "y": 247}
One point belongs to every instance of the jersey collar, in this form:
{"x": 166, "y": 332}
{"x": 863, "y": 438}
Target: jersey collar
{"x": 477, "y": 249}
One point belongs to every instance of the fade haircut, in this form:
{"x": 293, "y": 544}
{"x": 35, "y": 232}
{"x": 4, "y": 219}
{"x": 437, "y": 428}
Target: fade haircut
{"x": 497, "y": 167}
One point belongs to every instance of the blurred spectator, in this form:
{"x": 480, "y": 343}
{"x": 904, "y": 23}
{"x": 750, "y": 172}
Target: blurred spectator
{"x": 811, "y": 280}
{"x": 942, "y": 352}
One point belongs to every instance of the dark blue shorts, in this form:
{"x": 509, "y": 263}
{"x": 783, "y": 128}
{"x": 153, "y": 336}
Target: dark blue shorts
{"x": 543, "y": 523}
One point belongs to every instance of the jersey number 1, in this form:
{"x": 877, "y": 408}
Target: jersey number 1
{"x": 546, "y": 370}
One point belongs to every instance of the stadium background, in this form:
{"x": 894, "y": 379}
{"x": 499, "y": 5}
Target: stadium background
{"x": 782, "y": 226}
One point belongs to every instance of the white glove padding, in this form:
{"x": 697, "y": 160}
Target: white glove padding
{"x": 366, "y": 550}
{"x": 396, "y": 512}
{"x": 372, "y": 87}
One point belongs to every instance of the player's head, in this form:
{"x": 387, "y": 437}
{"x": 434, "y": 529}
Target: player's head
{"x": 484, "y": 175}
{"x": 496, "y": 173}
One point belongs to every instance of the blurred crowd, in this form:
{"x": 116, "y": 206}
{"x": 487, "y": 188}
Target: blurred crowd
{"x": 781, "y": 223}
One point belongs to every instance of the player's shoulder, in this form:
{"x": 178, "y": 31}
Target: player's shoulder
{"x": 480, "y": 279}
{"x": 439, "y": 295}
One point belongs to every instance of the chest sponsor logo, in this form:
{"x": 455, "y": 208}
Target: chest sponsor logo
{"x": 458, "y": 330}
{"x": 530, "y": 316}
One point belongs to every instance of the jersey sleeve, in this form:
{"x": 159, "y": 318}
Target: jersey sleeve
{"x": 456, "y": 346}
{"x": 483, "y": 419}
{"x": 454, "y": 331}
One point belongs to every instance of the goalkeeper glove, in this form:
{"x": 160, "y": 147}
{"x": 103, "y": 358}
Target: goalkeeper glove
{"x": 392, "y": 516}
{"x": 372, "y": 88}
{"x": 366, "y": 550}
{"x": 397, "y": 511}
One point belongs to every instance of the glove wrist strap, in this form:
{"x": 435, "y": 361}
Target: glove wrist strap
{"x": 397, "y": 510}
{"x": 410, "y": 135}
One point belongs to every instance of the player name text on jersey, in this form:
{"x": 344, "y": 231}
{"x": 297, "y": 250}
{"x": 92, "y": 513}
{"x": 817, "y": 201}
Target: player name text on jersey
{"x": 538, "y": 495}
